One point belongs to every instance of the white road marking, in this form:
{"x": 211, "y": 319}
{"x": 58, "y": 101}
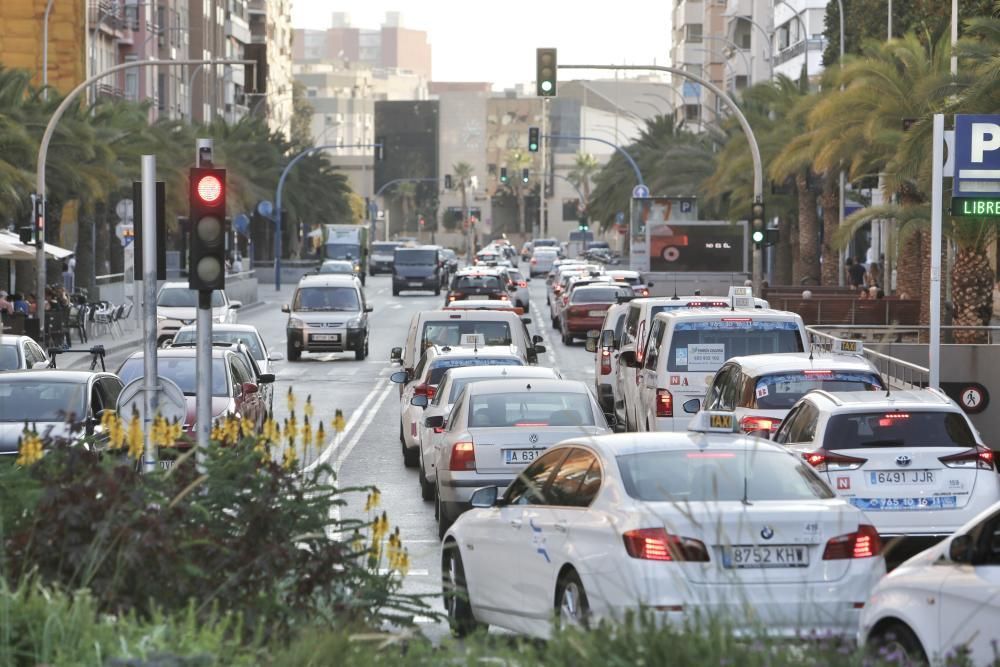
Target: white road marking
{"x": 369, "y": 418}
{"x": 381, "y": 291}
{"x": 355, "y": 416}
{"x": 412, "y": 573}
{"x": 396, "y": 306}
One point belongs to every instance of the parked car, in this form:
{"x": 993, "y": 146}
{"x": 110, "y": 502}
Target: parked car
{"x": 21, "y": 353}
{"x": 177, "y": 305}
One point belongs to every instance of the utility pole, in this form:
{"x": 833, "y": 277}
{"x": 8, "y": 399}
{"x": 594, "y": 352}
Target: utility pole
{"x": 543, "y": 200}
{"x": 151, "y": 378}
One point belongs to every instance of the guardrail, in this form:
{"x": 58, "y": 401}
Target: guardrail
{"x": 898, "y": 373}
{"x": 917, "y": 333}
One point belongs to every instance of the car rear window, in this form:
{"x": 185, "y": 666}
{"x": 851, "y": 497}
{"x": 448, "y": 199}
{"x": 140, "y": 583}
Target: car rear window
{"x": 705, "y": 346}
{"x": 9, "y": 358}
{"x": 478, "y": 283}
{"x": 530, "y": 409}
{"x": 182, "y": 370}
{"x": 901, "y": 428}
{"x": 42, "y": 400}
{"x": 780, "y": 390}
{"x": 596, "y": 295}
{"x": 704, "y": 476}
{"x": 439, "y": 367}
{"x": 414, "y": 257}
{"x": 449, "y": 332}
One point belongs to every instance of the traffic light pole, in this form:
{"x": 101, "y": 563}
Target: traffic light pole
{"x": 203, "y": 342}
{"x": 151, "y": 377}
{"x": 758, "y": 169}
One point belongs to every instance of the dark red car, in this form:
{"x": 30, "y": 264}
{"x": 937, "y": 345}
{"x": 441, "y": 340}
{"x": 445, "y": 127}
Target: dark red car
{"x": 587, "y": 304}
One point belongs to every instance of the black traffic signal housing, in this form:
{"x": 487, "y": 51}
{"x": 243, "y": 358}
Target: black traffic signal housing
{"x": 207, "y": 265}
{"x": 447, "y": 182}
{"x": 545, "y": 72}
{"x": 771, "y": 237}
{"x": 583, "y": 224}
{"x": 26, "y": 235}
{"x": 503, "y": 174}
{"x": 758, "y": 228}
{"x": 379, "y": 149}
{"x": 525, "y": 175}
{"x": 533, "y": 139}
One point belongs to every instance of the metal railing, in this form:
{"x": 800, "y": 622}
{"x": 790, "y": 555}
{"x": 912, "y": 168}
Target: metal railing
{"x": 898, "y": 373}
{"x": 914, "y": 333}
{"x": 109, "y": 278}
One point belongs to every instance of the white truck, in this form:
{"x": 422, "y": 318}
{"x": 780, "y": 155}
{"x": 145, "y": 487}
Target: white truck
{"x": 347, "y": 242}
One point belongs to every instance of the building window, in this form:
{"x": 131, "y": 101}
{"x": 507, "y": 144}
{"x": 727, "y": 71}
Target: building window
{"x": 161, "y": 92}
{"x": 131, "y": 81}
{"x": 741, "y": 81}
{"x": 744, "y": 40}
{"x": 692, "y": 112}
{"x": 692, "y": 33}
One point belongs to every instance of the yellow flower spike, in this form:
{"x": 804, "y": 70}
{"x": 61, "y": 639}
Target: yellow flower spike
{"x": 338, "y": 422}
{"x": 247, "y": 427}
{"x": 368, "y": 503}
{"x": 116, "y": 432}
{"x": 376, "y": 498}
{"x": 29, "y": 449}
{"x": 134, "y": 437}
{"x": 357, "y": 544}
{"x": 404, "y": 562}
{"x": 320, "y": 434}
{"x": 232, "y": 430}
{"x": 307, "y": 434}
{"x": 291, "y": 399}
{"x": 308, "y": 409}
{"x": 290, "y": 458}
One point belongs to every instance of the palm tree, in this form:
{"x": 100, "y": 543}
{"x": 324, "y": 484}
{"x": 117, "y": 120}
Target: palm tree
{"x": 463, "y": 173}
{"x": 584, "y": 168}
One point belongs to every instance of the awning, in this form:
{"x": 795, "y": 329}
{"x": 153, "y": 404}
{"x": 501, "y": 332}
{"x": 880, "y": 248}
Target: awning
{"x": 53, "y": 251}
{"x": 15, "y": 251}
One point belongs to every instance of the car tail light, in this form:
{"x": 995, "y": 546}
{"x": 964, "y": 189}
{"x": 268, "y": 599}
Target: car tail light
{"x": 522, "y": 283}
{"x": 425, "y": 389}
{"x": 664, "y": 403}
{"x": 463, "y": 457}
{"x": 557, "y": 289}
{"x": 977, "y": 457}
{"x": 534, "y": 261}
{"x": 641, "y": 292}
{"x": 826, "y": 461}
{"x": 605, "y": 361}
{"x": 658, "y": 544}
{"x": 865, "y": 543}
{"x": 751, "y": 424}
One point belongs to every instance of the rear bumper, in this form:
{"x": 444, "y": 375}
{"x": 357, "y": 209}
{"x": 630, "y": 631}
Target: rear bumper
{"x": 425, "y": 283}
{"x": 350, "y": 339}
{"x": 457, "y": 487}
{"x": 380, "y": 266}
{"x": 581, "y": 325}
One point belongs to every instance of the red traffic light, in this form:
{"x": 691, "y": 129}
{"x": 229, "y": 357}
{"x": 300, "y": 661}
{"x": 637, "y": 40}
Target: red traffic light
{"x": 209, "y": 188}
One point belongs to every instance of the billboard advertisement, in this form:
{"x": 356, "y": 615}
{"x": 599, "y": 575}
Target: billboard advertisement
{"x": 673, "y": 240}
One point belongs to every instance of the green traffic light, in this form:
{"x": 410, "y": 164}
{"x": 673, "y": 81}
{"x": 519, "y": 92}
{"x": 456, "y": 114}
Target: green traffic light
{"x": 758, "y": 236}
{"x": 546, "y": 86}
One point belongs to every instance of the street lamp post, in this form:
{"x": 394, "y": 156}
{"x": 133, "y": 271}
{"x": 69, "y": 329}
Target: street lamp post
{"x": 45, "y": 51}
{"x": 738, "y": 50}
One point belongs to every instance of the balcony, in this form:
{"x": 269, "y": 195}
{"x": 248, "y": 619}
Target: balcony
{"x": 257, "y": 7}
{"x": 238, "y": 29}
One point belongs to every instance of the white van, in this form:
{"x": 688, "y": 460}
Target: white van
{"x": 685, "y": 348}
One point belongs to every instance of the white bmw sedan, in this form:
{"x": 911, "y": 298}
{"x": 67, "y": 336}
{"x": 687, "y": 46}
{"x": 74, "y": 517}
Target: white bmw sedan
{"x": 690, "y": 525}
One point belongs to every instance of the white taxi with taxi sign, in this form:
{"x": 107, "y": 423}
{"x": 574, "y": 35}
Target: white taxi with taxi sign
{"x": 694, "y": 526}
{"x": 911, "y": 460}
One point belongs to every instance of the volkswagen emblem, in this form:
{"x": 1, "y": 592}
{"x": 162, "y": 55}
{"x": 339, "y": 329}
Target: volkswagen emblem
{"x": 767, "y": 532}
{"x": 533, "y": 438}
{"x": 903, "y": 460}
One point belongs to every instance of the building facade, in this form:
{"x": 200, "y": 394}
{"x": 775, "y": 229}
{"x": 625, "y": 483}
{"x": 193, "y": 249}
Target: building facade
{"x": 692, "y": 20}
{"x": 270, "y": 23}
{"x": 21, "y": 44}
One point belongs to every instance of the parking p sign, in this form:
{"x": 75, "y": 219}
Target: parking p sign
{"x": 977, "y": 156}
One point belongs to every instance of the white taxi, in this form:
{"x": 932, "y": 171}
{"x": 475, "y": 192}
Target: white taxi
{"x": 497, "y": 427}
{"x": 696, "y": 526}
{"x": 911, "y": 460}
{"x": 942, "y": 602}
{"x": 761, "y": 389}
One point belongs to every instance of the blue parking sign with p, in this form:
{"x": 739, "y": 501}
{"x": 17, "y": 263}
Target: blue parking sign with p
{"x": 977, "y": 156}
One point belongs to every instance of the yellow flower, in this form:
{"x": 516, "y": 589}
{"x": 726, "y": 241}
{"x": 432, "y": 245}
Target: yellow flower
{"x": 29, "y": 449}
{"x": 289, "y": 459}
{"x": 380, "y": 528}
{"x": 308, "y": 410}
{"x": 338, "y": 422}
{"x": 272, "y": 432}
{"x": 248, "y": 428}
{"x": 291, "y": 400}
{"x": 231, "y": 429}
{"x": 134, "y": 437}
{"x": 373, "y": 500}
{"x": 320, "y": 434}
{"x": 307, "y": 434}
{"x": 112, "y": 424}
{"x": 404, "y": 562}
{"x": 357, "y": 544}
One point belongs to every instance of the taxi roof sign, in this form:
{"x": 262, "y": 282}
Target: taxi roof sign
{"x": 841, "y": 346}
{"x": 741, "y": 297}
{"x": 708, "y": 421}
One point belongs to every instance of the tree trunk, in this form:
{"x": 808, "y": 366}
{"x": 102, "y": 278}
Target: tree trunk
{"x": 909, "y": 265}
{"x": 808, "y": 233}
{"x": 783, "y": 254}
{"x": 520, "y": 212}
{"x": 85, "y": 253}
{"x": 972, "y": 294}
{"x": 830, "y": 203}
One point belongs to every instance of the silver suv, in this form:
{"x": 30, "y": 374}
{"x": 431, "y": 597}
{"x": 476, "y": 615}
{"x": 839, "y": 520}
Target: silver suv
{"x": 329, "y": 313}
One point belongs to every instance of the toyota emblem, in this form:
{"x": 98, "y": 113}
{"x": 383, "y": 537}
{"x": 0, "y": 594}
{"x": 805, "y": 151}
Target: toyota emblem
{"x": 767, "y": 532}
{"x": 533, "y": 438}
{"x": 903, "y": 460}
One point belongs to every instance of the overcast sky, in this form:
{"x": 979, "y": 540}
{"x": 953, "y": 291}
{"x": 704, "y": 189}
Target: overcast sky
{"x": 496, "y": 41}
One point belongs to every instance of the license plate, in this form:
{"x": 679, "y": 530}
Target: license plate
{"x": 326, "y": 337}
{"x": 596, "y": 313}
{"x": 165, "y": 465}
{"x": 900, "y": 477}
{"x": 747, "y": 557}
{"x": 416, "y": 283}
{"x": 521, "y": 456}
{"x": 905, "y": 504}
{"x": 479, "y": 297}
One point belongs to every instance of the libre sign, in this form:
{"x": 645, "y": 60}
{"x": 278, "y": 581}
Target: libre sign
{"x": 976, "y": 189}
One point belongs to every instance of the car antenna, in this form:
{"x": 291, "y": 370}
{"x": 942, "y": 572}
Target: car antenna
{"x": 676, "y": 298}
{"x": 746, "y": 480}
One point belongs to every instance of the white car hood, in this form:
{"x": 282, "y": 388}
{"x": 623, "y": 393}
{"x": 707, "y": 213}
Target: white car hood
{"x": 186, "y": 315}
{"x": 10, "y": 432}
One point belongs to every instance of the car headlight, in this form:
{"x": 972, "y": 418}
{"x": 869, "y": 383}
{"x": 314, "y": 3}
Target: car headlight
{"x": 161, "y": 318}
{"x": 354, "y": 324}
{"x": 221, "y": 319}
{"x": 296, "y": 323}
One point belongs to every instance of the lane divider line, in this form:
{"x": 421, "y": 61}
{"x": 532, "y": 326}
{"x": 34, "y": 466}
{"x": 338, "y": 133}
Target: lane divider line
{"x": 352, "y": 420}
{"x": 360, "y": 431}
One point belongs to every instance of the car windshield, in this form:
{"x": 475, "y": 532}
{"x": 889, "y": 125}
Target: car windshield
{"x": 246, "y": 337}
{"x": 9, "y": 358}
{"x": 478, "y": 283}
{"x": 901, "y": 428}
{"x": 450, "y": 332}
{"x": 326, "y": 298}
{"x": 718, "y": 475}
{"x": 416, "y": 257}
{"x": 597, "y": 295}
{"x": 439, "y": 367}
{"x": 530, "y": 409}
{"x": 42, "y": 401}
{"x": 336, "y": 266}
{"x": 384, "y": 248}
{"x": 705, "y": 346}
{"x": 342, "y": 251}
{"x": 182, "y": 370}
{"x": 182, "y": 297}
{"x": 781, "y": 390}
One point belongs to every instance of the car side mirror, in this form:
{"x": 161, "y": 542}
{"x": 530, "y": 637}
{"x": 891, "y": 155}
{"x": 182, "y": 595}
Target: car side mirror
{"x": 628, "y": 358}
{"x": 249, "y": 388}
{"x": 434, "y": 422}
{"x": 266, "y": 378}
{"x": 649, "y": 284}
{"x": 285, "y": 308}
{"x": 235, "y": 305}
{"x": 961, "y": 549}
{"x": 484, "y": 497}
{"x": 591, "y": 343}
{"x": 276, "y": 356}
{"x": 419, "y": 401}
{"x": 369, "y": 309}
{"x": 399, "y": 377}
{"x": 539, "y": 348}
{"x": 537, "y": 339}
{"x": 692, "y": 406}
{"x": 512, "y": 287}
{"x": 396, "y": 354}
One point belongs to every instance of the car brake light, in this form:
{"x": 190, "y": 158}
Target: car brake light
{"x": 424, "y": 389}
{"x": 557, "y": 289}
{"x": 605, "y": 361}
{"x": 826, "y": 461}
{"x": 977, "y": 457}
{"x": 865, "y": 543}
{"x": 751, "y": 424}
{"x": 463, "y": 457}
{"x": 664, "y": 403}
{"x": 534, "y": 261}
{"x": 522, "y": 283}
{"x": 658, "y": 544}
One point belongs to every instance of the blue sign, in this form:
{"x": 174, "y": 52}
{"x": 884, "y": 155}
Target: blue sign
{"x": 242, "y": 224}
{"x": 619, "y": 217}
{"x": 691, "y": 89}
{"x": 977, "y": 156}
{"x": 265, "y": 208}
{"x": 640, "y": 192}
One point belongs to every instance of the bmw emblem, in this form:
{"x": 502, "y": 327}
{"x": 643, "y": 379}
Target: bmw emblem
{"x": 767, "y": 532}
{"x": 903, "y": 460}
{"x": 533, "y": 438}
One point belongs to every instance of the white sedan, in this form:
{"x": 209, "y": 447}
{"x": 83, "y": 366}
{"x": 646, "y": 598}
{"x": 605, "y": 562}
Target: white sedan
{"x": 689, "y": 525}
{"x": 942, "y": 602}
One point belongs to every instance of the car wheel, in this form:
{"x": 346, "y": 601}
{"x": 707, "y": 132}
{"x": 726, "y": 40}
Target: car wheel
{"x": 567, "y": 338}
{"x": 444, "y": 519}
{"x": 411, "y": 457}
{"x": 457, "y": 606}
{"x": 395, "y": 291}
{"x": 437, "y": 292}
{"x": 437, "y": 502}
{"x": 572, "y": 608}
{"x": 359, "y": 354}
{"x": 426, "y": 488}
{"x": 401, "y": 439}
{"x": 896, "y": 639}
{"x": 294, "y": 353}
